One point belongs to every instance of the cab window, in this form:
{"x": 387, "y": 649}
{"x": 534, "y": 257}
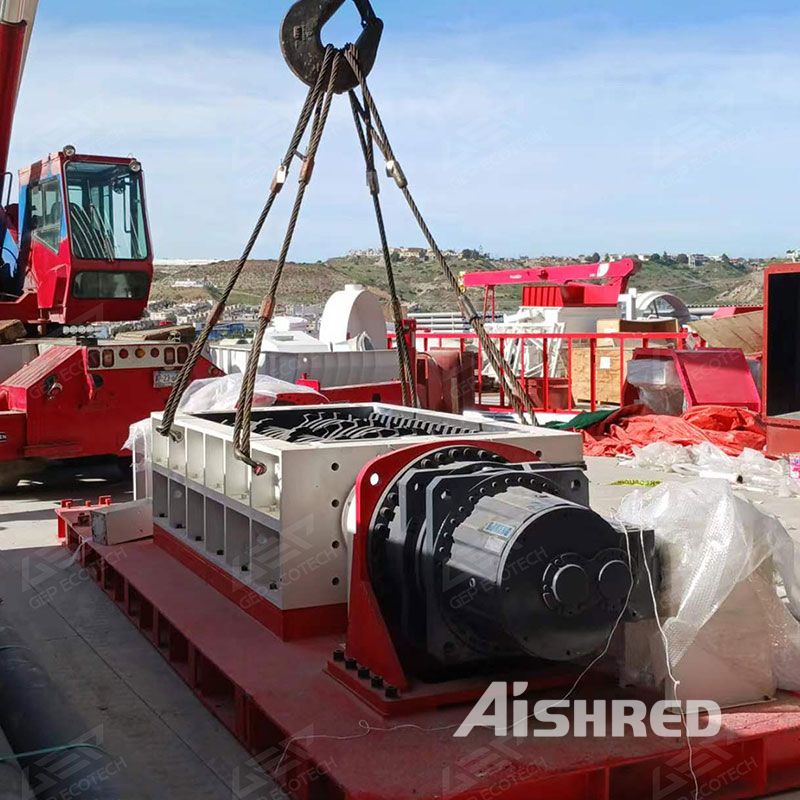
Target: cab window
{"x": 106, "y": 209}
{"x": 110, "y": 285}
{"x": 46, "y": 211}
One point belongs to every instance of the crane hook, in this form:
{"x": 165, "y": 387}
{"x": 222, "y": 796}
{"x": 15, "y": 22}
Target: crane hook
{"x": 301, "y": 40}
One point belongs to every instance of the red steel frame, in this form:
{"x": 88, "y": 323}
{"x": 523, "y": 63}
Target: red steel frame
{"x": 459, "y": 340}
{"x": 322, "y": 742}
{"x": 783, "y": 433}
{"x": 559, "y": 286}
{"x": 369, "y": 642}
{"x": 12, "y": 44}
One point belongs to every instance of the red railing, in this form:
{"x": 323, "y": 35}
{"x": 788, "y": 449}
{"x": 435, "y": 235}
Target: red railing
{"x": 549, "y": 390}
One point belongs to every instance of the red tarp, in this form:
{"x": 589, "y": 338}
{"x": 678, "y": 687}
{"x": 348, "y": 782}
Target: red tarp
{"x": 730, "y": 429}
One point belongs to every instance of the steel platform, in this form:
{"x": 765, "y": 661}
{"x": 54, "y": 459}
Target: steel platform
{"x": 321, "y": 741}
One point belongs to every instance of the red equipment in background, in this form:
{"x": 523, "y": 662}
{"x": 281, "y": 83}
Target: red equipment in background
{"x": 781, "y": 364}
{"x": 445, "y": 380}
{"x": 559, "y": 287}
{"x": 77, "y": 245}
{"x": 75, "y": 249}
{"x": 708, "y": 377}
{"x": 77, "y": 402}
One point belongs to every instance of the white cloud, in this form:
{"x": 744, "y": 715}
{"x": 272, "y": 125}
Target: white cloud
{"x": 527, "y": 140}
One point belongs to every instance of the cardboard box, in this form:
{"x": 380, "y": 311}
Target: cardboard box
{"x": 643, "y": 326}
{"x": 742, "y": 331}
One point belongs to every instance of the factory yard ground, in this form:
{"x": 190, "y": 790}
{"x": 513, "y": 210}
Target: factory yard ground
{"x": 147, "y": 717}
{"x": 167, "y": 742}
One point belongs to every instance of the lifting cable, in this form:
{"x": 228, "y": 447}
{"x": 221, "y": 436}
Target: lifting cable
{"x": 365, "y": 137}
{"x": 371, "y": 132}
{"x": 244, "y": 408}
{"x": 278, "y": 182}
{"x": 520, "y": 399}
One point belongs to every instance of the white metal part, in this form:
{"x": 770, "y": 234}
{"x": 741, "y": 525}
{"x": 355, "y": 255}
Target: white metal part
{"x": 655, "y": 304}
{"x": 579, "y": 319}
{"x": 329, "y": 369}
{"x": 16, "y": 11}
{"x": 282, "y": 533}
{"x": 351, "y": 312}
{"x": 122, "y": 522}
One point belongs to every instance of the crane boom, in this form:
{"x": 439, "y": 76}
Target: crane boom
{"x": 16, "y": 25}
{"x": 557, "y": 286}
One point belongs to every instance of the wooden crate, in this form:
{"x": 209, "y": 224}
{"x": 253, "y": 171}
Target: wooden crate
{"x": 607, "y": 370}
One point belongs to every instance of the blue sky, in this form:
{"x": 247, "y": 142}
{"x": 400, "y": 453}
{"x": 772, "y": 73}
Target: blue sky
{"x": 525, "y": 127}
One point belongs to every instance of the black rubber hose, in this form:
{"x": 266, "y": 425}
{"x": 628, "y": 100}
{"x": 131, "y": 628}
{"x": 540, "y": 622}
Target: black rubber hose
{"x": 63, "y": 757}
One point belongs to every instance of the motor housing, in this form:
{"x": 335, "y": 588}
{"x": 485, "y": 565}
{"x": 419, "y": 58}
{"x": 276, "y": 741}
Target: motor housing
{"x": 476, "y": 562}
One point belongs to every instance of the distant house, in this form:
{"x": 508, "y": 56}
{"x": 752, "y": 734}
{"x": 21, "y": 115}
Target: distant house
{"x": 371, "y": 253}
{"x": 189, "y": 284}
{"x": 793, "y": 255}
{"x": 412, "y": 252}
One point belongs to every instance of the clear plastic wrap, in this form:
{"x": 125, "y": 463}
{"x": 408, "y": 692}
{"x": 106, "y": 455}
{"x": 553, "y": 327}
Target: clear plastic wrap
{"x": 658, "y": 455}
{"x": 140, "y": 443}
{"x": 659, "y": 385}
{"x": 752, "y": 469}
{"x": 729, "y": 635}
{"x": 222, "y": 394}
{"x": 206, "y": 396}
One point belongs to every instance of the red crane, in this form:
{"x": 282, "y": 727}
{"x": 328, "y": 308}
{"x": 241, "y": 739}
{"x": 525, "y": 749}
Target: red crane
{"x": 76, "y": 249}
{"x": 559, "y": 286}
{"x": 76, "y": 245}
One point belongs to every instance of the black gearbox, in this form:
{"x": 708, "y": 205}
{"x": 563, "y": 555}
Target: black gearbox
{"x": 479, "y": 562}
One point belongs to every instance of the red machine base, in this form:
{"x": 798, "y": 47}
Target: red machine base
{"x": 783, "y": 436}
{"x": 319, "y": 740}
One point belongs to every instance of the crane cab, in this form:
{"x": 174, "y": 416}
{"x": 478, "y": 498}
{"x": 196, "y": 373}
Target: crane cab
{"x": 77, "y": 246}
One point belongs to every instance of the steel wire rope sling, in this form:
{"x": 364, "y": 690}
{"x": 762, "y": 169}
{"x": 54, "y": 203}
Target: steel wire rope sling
{"x": 363, "y": 122}
{"x": 520, "y": 399}
{"x": 278, "y": 182}
{"x": 244, "y": 408}
{"x": 328, "y": 80}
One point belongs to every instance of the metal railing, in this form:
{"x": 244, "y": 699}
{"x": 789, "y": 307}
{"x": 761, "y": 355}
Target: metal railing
{"x": 552, "y": 391}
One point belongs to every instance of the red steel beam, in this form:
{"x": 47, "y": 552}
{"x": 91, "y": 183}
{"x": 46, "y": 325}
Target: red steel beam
{"x": 12, "y": 49}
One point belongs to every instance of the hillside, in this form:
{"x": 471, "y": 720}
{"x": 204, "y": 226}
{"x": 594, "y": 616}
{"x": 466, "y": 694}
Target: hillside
{"x": 421, "y": 284}
{"x": 696, "y": 286}
{"x": 747, "y": 293}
